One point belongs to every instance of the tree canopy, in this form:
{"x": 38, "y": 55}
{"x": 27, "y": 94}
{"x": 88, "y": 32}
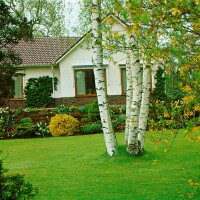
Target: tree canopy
{"x": 12, "y": 29}
{"x": 46, "y": 17}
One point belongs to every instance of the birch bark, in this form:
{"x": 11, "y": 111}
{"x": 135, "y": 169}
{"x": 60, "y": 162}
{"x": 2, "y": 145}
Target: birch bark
{"x": 144, "y": 110}
{"x": 133, "y": 147}
{"x": 129, "y": 93}
{"x": 109, "y": 135}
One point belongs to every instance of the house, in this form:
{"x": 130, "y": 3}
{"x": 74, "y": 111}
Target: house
{"x": 68, "y": 60}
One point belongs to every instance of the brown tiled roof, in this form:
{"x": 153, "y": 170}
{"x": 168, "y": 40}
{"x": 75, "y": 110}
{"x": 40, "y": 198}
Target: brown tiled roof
{"x": 44, "y": 51}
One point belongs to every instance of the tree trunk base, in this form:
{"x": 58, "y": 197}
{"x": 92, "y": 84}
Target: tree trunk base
{"x": 133, "y": 149}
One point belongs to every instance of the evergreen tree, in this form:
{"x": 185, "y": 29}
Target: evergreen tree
{"x": 12, "y": 29}
{"x": 159, "y": 91}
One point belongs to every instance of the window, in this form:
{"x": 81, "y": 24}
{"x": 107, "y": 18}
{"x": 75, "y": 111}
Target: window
{"x": 17, "y": 86}
{"x": 85, "y": 82}
{"x": 123, "y": 80}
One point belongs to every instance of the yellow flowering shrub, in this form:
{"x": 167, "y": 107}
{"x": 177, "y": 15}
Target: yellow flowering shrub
{"x": 63, "y": 125}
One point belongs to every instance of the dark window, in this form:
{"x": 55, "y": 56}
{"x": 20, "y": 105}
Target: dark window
{"x": 85, "y": 82}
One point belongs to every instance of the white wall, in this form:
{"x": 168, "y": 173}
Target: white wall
{"x": 81, "y": 57}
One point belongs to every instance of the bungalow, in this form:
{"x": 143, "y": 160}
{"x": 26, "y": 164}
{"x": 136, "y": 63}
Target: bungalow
{"x": 68, "y": 60}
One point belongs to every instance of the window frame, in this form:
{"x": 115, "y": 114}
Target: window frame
{"x": 22, "y": 87}
{"x": 88, "y": 68}
{"x": 122, "y": 68}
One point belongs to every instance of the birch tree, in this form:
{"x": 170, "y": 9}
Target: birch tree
{"x": 133, "y": 147}
{"x": 109, "y": 135}
{"x": 165, "y": 32}
{"x": 129, "y": 93}
{"x": 144, "y": 108}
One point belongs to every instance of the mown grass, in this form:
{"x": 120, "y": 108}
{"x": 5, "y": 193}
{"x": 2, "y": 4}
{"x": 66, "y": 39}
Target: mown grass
{"x": 77, "y": 167}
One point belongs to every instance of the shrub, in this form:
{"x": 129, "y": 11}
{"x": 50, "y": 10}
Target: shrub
{"x": 114, "y": 110}
{"x": 63, "y": 124}
{"x": 93, "y": 111}
{"x": 84, "y": 119}
{"x": 170, "y": 115}
{"x": 26, "y": 128}
{"x": 119, "y": 120}
{"x": 92, "y": 128}
{"x": 14, "y": 187}
{"x": 62, "y": 109}
{"x": 38, "y": 91}
{"x": 84, "y": 109}
{"x": 42, "y": 129}
{"x": 7, "y": 122}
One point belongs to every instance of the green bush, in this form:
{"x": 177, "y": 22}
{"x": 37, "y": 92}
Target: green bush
{"x": 7, "y": 121}
{"x": 114, "y": 110}
{"x": 119, "y": 120}
{"x": 63, "y": 125}
{"x": 84, "y": 109}
{"x": 84, "y": 119}
{"x": 26, "y": 128}
{"x": 62, "y": 109}
{"x": 38, "y": 91}
{"x": 14, "y": 187}
{"x": 92, "y": 128}
{"x": 93, "y": 111}
{"x": 42, "y": 129}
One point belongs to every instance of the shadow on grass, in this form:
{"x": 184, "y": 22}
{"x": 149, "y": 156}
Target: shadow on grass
{"x": 123, "y": 157}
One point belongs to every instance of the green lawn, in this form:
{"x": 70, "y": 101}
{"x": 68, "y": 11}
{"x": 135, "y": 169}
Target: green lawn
{"x": 77, "y": 167}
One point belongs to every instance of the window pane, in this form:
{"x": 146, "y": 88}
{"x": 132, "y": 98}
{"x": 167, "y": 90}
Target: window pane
{"x": 123, "y": 80}
{"x": 85, "y": 83}
{"x": 80, "y": 82}
{"x": 17, "y": 86}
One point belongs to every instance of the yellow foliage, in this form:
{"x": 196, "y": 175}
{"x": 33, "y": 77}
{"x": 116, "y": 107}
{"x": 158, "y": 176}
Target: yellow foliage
{"x": 197, "y": 108}
{"x": 198, "y": 139}
{"x": 197, "y": 1}
{"x": 187, "y": 88}
{"x": 196, "y": 26}
{"x": 109, "y": 20}
{"x": 188, "y": 99}
{"x": 175, "y": 11}
{"x": 116, "y": 34}
{"x": 62, "y": 125}
{"x": 128, "y": 5}
{"x": 129, "y": 31}
{"x": 174, "y": 42}
{"x": 166, "y": 114}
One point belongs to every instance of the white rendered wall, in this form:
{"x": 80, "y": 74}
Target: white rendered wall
{"x": 81, "y": 57}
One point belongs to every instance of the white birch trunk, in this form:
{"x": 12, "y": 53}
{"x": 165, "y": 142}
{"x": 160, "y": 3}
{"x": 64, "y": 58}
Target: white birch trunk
{"x": 144, "y": 110}
{"x": 109, "y": 135}
{"x": 129, "y": 94}
{"x": 133, "y": 147}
